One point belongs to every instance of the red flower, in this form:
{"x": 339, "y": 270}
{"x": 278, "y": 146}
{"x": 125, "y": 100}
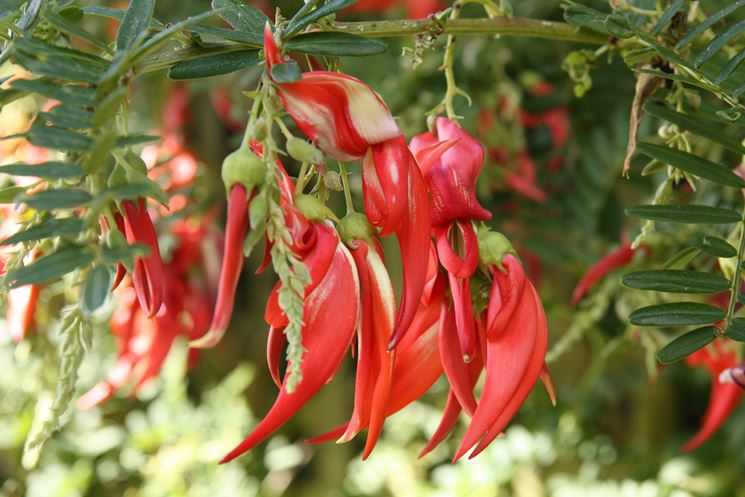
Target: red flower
{"x": 724, "y": 396}
{"x": 242, "y": 172}
{"x": 621, "y": 257}
{"x": 330, "y": 318}
{"x": 374, "y": 361}
{"x": 516, "y": 340}
{"x": 451, "y": 179}
{"x": 147, "y": 275}
{"x": 347, "y": 120}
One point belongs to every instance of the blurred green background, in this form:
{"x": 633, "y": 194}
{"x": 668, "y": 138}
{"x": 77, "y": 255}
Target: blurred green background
{"x": 620, "y": 420}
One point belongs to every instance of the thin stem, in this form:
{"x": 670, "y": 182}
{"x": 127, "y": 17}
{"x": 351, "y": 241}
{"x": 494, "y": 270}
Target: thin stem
{"x": 300, "y": 184}
{"x": 345, "y": 184}
{"x": 532, "y": 28}
{"x": 735, "y": 289}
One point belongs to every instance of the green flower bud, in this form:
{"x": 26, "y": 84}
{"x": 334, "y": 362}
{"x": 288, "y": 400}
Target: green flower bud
{"x": 493, "y": 246}
{"x": 259, "y": 130}
{"x": 243, "y": 167}
{"x": 313, "y": 209}
{"x": 355, "y": 226}
{"x": 302, "y": 151}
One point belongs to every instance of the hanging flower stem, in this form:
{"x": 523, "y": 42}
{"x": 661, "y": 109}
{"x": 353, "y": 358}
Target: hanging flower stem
{"x": 345, "y": 184}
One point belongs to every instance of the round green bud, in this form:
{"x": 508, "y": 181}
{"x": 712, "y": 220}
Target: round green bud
{"x": 355, "y": 226}
{"x": 302, "y": 151}
{"x": 259, "y": 130}
{"x": 493, "y": 246}
{"x": 243, "y": 167}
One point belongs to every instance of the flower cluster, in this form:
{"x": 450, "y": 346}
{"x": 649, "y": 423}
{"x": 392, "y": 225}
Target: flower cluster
{"x": 169, "y": 294}
{"x": 466, "y": 307}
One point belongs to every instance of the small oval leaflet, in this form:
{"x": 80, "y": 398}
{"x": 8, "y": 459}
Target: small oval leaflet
{"x": 214, "y": 65}
{"x": 687, "y": 344}
{"x": 676, "y": 314}
{"x": 97, "y": 288}
{"x": 677, "y": 281}
{"x": 717, "y": 247}
{"x": 736, "y": 330}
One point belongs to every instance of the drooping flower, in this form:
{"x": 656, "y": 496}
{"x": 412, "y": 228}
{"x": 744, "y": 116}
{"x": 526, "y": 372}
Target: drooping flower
{"x": 721, "y": 363}
{"x": 330, "y": 313}
{"x": 621, "y": 257}
{"x": 374, "y": 361}
{"x": 515, "y": 347}
{"x": 242, "y": 172}
{"x": 144, "y": 341}
{"x": 133, "y": 220}
{"x": 347, "y": 120}
{"x": 451, "y": 179}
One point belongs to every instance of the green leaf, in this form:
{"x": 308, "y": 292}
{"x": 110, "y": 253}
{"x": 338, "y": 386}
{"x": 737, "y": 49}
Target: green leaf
{"x": 116, "y": 14}
{"x": 709, "y": 22}
{"x": 692, "y": 164}
{"x": 717, "y": 247}
{"x": 136, "y": 139}
{"x": 109, "y": 106}
{"x": 676, "y": 314}
{"x": 719, "y": 42}
{"x": 135, "y": 22}
{"x": 639, "y": 55}
{"x": 58, "y": 68}
{"x": 64, "y": 25}
{"x": 75, "y": 95}
{"x": 254, "y": 39}
{"x": 618, "y": 27}
{"x": 296, "y": 25}
{"x": 214, "y": 65}
{"x": 59, "y": 138}
{"x": 47, "y": 229}
{"x": 50, "y": 267}
{"x": 676, "y": 77}
{"x": 336, "y": 44}
{"x": 682, "y": 258}
{"x": 69, "y": 117}
{"x": 9, "y": 194}
{"x": 51, "y": 169}
{"x": 60, "y": 62}
{"x": 686, "y": 214}
{"x": 736, "y": 330}
{"x": 97, "y": 289}
{"x": 241, "y": 16}
{"x": 30, "y": 15}
{"x": 730, "y": 67}
{"x": 581, "y": 15}
{"x": 687, "y": 344}
{"x": 667, "y": 16}
{"x": 286, "y": 73}
{"x": 696, "y": 125}
{"x": 55, "y": 199}
{"x": 676, "y": 281}
{"x": 154, "y": 42}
